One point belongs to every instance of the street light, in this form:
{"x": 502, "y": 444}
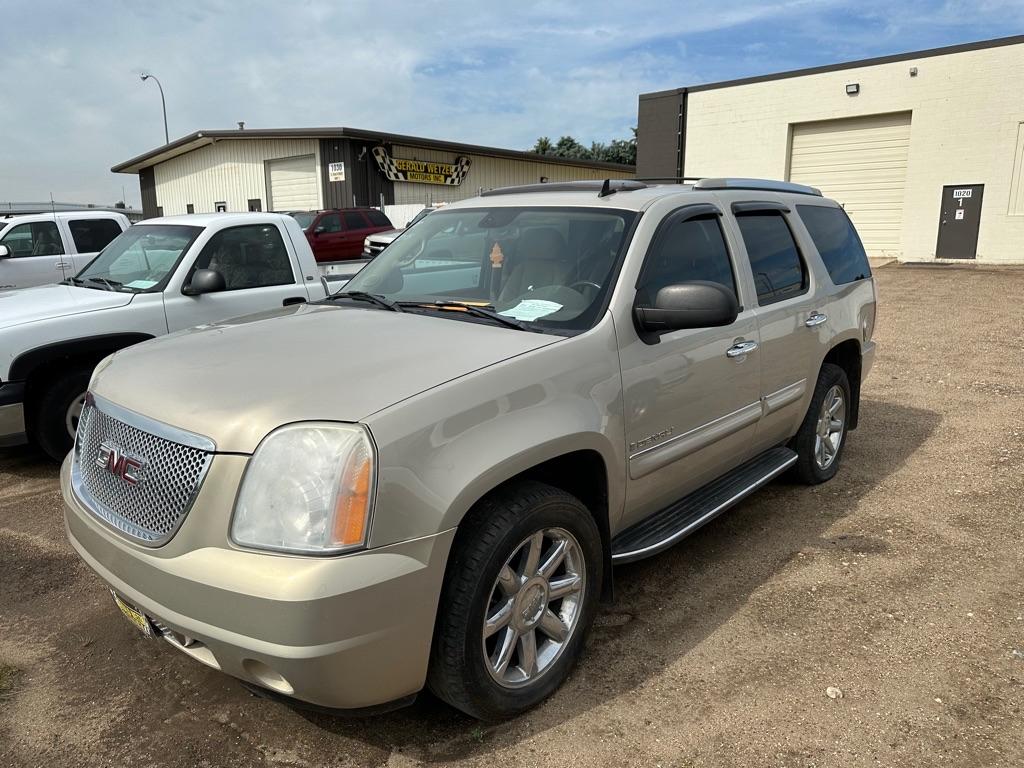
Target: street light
{"x": 145, "y": 76}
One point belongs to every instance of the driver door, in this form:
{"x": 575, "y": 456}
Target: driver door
{"x": 258, "y": 275}
{"x": 691, "y": 403}
{"x": 36, "y": 255}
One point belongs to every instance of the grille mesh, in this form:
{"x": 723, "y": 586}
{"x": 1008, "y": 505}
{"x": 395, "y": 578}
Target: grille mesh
{"x": 170, "y": 478}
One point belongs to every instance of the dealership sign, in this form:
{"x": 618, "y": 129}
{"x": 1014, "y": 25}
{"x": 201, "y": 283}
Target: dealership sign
{"x": 421, "y": 171}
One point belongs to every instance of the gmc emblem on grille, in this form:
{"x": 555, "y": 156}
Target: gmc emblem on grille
{"x": 120, "y": 464}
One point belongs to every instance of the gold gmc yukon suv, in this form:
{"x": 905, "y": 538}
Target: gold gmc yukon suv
{"x": 426, "y": 479}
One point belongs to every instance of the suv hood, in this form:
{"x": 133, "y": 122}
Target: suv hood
{"x": 234, "y": 382}
{"x": 44, "y": 302}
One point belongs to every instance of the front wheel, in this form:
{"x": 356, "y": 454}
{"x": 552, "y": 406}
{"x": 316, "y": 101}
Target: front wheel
{"x": 819, "y": 443}
{"x": 519, "y": 598}
{"x": 58, "y": 411}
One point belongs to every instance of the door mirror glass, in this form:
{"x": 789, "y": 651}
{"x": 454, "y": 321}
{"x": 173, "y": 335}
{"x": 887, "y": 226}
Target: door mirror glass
{"x": 5, "y": 252}
{"x": 205, "y": 281}
{"x": 319, "y": 230}
{"x": 696, "y": 304}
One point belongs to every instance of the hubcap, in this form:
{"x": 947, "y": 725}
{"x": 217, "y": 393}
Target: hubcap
{"x": 534, "y": 607}
{"x": 831, "y": 427}
{"x": 74, "y": 414}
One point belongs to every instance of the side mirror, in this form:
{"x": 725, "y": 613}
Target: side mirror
{"x": 319, "y": 230}
{"x": 5, "y": 252}
{"x": 696, "y": 304}
{"x": 205, "y": 281}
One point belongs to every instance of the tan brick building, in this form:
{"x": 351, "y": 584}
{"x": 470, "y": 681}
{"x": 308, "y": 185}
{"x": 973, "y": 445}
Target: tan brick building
{"x": 925, "y": 149}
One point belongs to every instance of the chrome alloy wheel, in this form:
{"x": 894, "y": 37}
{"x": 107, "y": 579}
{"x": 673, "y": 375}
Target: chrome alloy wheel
{"x": 534, "y": 607}
{"x": 74, "y": 415}
{"x": 831, "y": 427}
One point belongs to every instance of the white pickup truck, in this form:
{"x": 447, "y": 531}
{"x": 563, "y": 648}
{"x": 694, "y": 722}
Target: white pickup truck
{"x": 159, "y": 276}
{"x": 49, "y": 247}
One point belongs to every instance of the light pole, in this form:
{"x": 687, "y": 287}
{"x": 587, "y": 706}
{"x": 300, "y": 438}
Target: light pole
{"x": 145, "y": 76}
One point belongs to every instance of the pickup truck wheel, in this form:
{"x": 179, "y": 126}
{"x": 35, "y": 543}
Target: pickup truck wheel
{"x": 822, "y": 436}
{"x": 520, "y": 595}
{"x": 58, "y": 411}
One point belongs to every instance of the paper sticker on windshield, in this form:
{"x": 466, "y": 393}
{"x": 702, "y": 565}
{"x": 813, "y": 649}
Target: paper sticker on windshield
{"x": 531, "y": 309}
{"x": 143, "y": 284}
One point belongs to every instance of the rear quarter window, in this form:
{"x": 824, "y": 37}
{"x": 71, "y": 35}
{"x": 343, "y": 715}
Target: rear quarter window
{"x": 377, "y": 218}
{"x": 837, "y": 241}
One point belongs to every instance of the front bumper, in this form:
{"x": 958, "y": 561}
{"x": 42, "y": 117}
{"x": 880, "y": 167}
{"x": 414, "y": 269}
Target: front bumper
{"x": 346, "y": 632}
{"x": 12, "y": 413}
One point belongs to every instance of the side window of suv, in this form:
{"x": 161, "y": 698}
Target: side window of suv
{"x": 779, "y": 270}
{"x": 92, "y": 235}
{"x": 252, "y": 256}
{"x": 329, "y": 222}
{"x": 685, "y": 250}
{"x": 39, "y": 238}
{"x": 377, "y": 218}
{"x": 354, "y": 220}
{"x": 837, "y": 241}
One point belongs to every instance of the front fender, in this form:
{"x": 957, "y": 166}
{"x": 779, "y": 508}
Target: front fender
{"x": 443, "y": 450}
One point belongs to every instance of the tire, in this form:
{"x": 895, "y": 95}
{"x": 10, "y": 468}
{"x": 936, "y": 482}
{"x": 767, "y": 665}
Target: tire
{"x": 818, "y": 456}
{"x": 50, "y": 428}
{"x": 499, "y": 534}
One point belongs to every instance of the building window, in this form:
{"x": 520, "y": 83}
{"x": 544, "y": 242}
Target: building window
{"x": 190, "y": 208}
{"x": 255, "y": 205}
{"x": 220, "y": 207}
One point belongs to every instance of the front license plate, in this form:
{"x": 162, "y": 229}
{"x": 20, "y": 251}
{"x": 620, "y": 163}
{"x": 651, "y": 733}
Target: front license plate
{"x": 135, "y": 616}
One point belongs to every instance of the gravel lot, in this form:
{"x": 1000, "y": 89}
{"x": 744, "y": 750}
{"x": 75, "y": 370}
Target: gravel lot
{"x": 898, "y": 583}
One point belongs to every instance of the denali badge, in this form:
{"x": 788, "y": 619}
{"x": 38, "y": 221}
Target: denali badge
{"x": 112, "y": 459}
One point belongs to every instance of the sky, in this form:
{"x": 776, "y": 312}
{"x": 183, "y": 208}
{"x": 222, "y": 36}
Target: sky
{"x": 499, "y": 74}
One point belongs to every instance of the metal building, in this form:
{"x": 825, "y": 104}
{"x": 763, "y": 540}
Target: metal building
{"x": 925, "y": 150}
{"x": 314, "y": 168}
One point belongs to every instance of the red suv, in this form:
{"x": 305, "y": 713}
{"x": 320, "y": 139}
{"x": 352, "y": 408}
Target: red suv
{"x": 338, "y": 234}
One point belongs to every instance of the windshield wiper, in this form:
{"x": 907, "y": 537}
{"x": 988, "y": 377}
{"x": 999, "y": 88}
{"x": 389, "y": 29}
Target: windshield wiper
{"x": 486, "y": 311}
{"x": 111, "y": 285}
{"x": 372, "y": 298}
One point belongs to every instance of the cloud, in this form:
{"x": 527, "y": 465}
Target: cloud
{"x": 73, "y": 104}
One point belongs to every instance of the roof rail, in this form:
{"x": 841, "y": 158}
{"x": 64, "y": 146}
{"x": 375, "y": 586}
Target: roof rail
{"x": 602, "y": 187}
{"x": 763, "y": 185}
{"x": 674, "y": 179}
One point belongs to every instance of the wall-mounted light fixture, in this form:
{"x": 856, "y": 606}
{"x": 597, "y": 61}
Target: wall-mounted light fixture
{"x": 852, "y": 89}
{"x": 543, "y": 179}
{"x": 913, "y": 71}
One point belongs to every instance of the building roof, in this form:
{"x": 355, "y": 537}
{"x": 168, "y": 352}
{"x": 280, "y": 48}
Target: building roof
{"x": 202, "y": 138}
{"x": 928, "y": 52}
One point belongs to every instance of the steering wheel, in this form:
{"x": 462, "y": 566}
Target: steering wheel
{"x": 590, "y": 283}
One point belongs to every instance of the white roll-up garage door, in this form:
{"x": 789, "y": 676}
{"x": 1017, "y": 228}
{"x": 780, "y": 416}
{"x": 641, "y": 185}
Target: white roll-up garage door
{"x": 292, "y": 184}
{"x": 861, "y": 162}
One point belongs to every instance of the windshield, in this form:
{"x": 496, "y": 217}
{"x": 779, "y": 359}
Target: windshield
{"x": 419, "y": 216}
{"x": 547, "y": 268}
{"x": 304, "y": 218}
{"x": 140, "y": 258}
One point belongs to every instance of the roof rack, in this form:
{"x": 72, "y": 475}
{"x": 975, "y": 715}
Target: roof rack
{"x": 763, "y": 185}
{"x": 603, "y": 188}
{"x": 674, "y": 179}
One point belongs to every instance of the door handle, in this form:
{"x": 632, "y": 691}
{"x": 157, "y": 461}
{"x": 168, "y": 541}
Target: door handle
{"x": 63, "y": 265}
{"x": 815, "y": 318}
{"x": 741, "y": 348}
{"x": 293, "y": 300}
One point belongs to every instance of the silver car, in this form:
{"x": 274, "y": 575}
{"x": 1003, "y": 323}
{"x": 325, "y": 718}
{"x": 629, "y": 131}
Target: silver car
{"x": 426, "y": 479}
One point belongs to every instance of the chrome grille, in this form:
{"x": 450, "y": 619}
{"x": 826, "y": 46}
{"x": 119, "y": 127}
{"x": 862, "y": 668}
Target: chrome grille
{"x": 173, "y": 466}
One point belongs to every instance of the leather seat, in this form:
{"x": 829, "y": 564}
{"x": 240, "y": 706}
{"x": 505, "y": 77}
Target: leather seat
{"x": 541, "y": 260}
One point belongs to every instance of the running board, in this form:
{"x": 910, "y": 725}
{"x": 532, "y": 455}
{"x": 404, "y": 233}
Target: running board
{"x": 677, "y": 521}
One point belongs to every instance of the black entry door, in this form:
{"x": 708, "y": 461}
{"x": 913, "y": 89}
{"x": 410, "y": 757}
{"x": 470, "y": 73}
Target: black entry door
{"x": 961, "y": 217}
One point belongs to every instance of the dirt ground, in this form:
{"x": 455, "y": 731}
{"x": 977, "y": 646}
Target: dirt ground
{"x": 898, "y": 583}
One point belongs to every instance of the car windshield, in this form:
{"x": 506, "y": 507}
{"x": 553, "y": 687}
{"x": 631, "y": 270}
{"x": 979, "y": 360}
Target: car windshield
{"x": 304, "y": 218}
{"x": 140, "y": 258}
{"x": 544, "y": 268}
{"x": 419, "y": 216}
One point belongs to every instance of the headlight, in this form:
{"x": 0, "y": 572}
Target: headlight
{"x": 307, "y": 489}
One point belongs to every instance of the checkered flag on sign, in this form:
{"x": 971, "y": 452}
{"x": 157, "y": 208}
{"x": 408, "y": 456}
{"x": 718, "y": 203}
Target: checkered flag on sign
{"x": 461, "y": 169}
{"x": 387, "y": 165}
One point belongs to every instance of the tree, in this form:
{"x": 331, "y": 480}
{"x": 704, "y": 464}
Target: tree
{"x": 543, "y": 146}
{"x": 119, "y": 204}
{"x": 621, "y": 151}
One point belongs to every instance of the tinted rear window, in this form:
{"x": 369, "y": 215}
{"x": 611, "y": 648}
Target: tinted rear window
{"x": 837, "y": 242}
{"x": 779, "y": 271}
